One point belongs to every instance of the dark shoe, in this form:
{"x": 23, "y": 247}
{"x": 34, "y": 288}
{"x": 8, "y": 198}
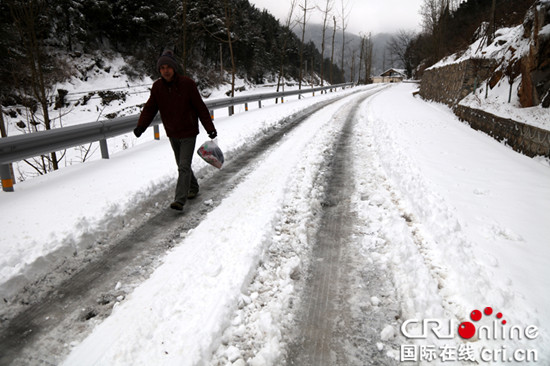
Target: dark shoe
{"x": 192, "y": 194}
{"x": 176, "y": 206}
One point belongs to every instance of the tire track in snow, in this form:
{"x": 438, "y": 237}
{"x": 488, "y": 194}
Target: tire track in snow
{"x": 203, "y": 282}
{"x": 263, "y": 324}
{"x": 265, "y": 330}
{"x": 340, "y": 321}
{"x": 317, "y": 345}
{"x": 40, "y": 332}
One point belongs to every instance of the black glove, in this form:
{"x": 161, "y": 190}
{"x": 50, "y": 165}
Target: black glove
{"x": 138, "y": 131}
{"x": 212, "y": 134}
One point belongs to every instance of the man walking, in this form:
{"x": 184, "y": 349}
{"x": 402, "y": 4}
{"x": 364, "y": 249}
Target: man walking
{"x": 177, "y": 99}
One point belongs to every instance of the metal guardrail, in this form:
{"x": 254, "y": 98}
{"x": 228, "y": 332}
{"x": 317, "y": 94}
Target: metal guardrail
{"x": 16, "y": 148}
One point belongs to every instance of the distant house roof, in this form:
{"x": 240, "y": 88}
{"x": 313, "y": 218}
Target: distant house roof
{"x": 394, "y": 73}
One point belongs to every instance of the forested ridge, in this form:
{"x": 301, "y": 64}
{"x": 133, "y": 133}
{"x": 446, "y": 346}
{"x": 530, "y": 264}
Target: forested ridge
{"x": 38, "y": 38}
{"x": 215, "y": 41}
{"x": 44, "y": 34}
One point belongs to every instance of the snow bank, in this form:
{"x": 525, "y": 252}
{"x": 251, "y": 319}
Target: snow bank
{"x": 60, "y": 210}
{"x": 508, "y": 44}
{"x": 480, "y": 213}
{"x": 500, "y": 102}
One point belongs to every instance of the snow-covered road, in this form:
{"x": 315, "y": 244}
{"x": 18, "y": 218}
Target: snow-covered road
{"x": 420, "y": 216}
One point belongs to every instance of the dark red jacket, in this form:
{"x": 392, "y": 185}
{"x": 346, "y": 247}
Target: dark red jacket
{"x": 180, "y": 106}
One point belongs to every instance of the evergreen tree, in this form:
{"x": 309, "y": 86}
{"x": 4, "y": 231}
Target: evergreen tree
{"x": 141, "y": 29}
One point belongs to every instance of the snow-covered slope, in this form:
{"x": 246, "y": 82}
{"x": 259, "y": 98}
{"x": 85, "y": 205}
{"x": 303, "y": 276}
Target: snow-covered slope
{"x": 511, "y": 49}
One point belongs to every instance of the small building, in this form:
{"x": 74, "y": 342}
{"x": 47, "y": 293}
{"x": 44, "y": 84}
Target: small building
{"x": 390, "y": 76}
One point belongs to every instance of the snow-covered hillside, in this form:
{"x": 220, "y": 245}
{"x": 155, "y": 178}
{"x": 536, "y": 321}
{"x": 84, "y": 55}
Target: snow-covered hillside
{"x": 509, "y": 50}
{"x": 101, "y": 89}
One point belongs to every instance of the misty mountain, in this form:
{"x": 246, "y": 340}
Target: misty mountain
{"x": 382, "y": 59}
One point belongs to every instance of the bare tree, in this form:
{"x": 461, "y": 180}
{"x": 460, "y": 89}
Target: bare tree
{"x": 228, "y": 24}
{"x": 25, "y": 15}
{"x": 365, "y": 58}
{"x": 304, "y": 21}
{"x": 432, "y": 12}
{"x": 368, "y": 59}
{"x": 325, "y": 11}
{"x": 361, "y": 54}
{"x": 289, "y": 25}
{"x": 344, "y": 19}
{"x": 228, "y": 12}
{"x": 352, "y": 67}
{"x": 332, "y": 51}
{"x": 399, "y": 47}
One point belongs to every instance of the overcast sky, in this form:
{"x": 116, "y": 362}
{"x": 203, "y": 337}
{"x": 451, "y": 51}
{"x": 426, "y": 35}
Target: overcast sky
{"x": 375, "y": 16}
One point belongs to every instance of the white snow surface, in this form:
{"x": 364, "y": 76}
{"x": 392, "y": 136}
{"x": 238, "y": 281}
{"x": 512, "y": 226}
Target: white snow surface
{"x": 500, "y": 102}
{"x": 479, "y": 210}
{"x": 508, "y": 44}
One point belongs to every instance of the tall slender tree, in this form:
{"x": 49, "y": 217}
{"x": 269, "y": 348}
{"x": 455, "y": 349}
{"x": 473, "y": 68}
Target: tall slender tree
{"x": 305, "y": 9}
{"x": 369, "y": 46}
{"x": 332, "y": 50}
{"x": 326, "y": 12}
{"x": 361, "y": 55}
{"x": 287, "y": 33}
{"x": 26, "y": 16}
{"x": 228, "y": 12}
{"x": 344, "y": 19}
{"x": 399, "y": 46}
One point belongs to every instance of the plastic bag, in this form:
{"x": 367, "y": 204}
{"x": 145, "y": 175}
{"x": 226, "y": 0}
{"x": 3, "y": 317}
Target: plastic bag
{"x": 211, "y": 153}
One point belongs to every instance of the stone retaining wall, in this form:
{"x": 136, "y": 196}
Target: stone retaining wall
{"x": 523, "y": 138}
{"x": 451, "y": 83}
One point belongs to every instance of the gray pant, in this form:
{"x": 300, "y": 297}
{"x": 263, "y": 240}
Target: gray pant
{"x": 183, "y": 151}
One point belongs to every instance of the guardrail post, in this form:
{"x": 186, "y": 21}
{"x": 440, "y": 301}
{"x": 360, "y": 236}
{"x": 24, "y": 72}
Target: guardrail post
{"x": 7, "y": 179}
{"x": 156, "y": 130}
{"x": 259, "y": 104}
{"x": 104, "y": 149}
{"x": 231, "y": 110}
